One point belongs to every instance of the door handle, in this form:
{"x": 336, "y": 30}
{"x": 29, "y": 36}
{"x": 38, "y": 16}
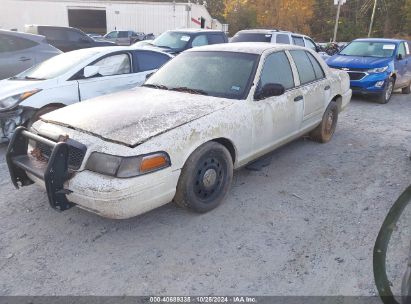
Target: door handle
{"x": 24, "y": 59}
{"x": 327, "y": 88}
{"x": 298, "y": 98}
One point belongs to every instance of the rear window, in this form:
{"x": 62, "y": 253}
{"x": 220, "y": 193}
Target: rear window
{"x": 298, "y": 41}
{"x": 53, "y": 33}
{"x": 304, "y": 66}
{"x": 251, "y": 37}
{"x": 282, "y": 38}
{"x": 215, "y": 39}
{"x": 146, "y": 61}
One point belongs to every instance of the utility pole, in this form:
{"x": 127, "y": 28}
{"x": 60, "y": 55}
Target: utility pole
{"x": 337, "y": 20}
{"x": 372, "y": 18}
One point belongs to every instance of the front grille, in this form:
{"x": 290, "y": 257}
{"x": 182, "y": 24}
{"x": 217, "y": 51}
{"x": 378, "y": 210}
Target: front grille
{"x": 76, "y": 153}
{"x": 356, "y": 75}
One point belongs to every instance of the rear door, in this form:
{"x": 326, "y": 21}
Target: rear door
{"x": 276, "y": 118}
{"x": 314, "y": 86}
{"x": 115, "y": 74}
{"x": 123, "y": 38}
{"x": 16, "y": 55}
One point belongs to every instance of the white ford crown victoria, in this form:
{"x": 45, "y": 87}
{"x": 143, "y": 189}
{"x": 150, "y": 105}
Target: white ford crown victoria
{"x": 178, "y": 138}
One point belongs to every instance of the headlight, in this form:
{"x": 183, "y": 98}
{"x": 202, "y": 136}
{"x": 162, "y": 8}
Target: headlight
{"x": 12, "y": 101}
{"x": 124, "y": 167}
{"x": 378, "y": 70}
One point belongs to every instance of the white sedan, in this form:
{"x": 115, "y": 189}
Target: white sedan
{"x": 72, "y": 77}
{"x": 178, "y": 137}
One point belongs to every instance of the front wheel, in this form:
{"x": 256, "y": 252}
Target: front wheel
{"x": 325, "y": 130}
{"x": 39, "y": 113}
{"x": 387, "y": 93}
{"x": 205, "y": 178}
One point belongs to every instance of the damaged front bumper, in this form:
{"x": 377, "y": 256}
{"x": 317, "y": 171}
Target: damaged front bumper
{"x": 11, "y": 119}
{"x": 66, "y": 186}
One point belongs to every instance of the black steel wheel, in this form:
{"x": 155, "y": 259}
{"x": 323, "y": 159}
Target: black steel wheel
{"x": 205, "y": 178}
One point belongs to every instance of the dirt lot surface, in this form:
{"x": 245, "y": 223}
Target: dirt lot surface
{"x": 304, "y": 225}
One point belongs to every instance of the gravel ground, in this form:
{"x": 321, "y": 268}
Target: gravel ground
{"x": 304, "y": 225}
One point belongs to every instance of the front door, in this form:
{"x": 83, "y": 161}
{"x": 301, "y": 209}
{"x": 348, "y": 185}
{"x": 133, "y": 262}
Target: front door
{"x": 115, "y": 74}
{"x": 276, "y": 118}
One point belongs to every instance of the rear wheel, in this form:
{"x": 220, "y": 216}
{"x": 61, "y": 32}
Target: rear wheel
{"x": 325, "y": 130}
{"x": 205, "y": 178}
{"x": 387, "y": 93}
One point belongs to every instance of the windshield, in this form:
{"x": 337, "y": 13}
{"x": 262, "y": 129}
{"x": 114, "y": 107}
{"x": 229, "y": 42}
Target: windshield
{"x": 369, "y": 49}
{"x": 219, "y": 74}
{"x": 55, "y": 66}
{"x": 251, "y": 37}
{"x": 172, "y": 40}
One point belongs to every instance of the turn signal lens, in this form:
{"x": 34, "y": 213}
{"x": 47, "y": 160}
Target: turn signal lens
{"x": 153, "y": 162}
{"x": 28, "y": 94}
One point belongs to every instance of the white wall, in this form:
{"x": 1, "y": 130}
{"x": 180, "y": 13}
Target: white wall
{"x": 139, "y": 16}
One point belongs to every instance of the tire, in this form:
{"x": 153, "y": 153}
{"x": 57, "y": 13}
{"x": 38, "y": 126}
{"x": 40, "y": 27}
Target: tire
{"x": 205, "y": 178}
{"x": 387, "y": 93}
{"x": 407, "y": 89}
{"x": 325, "y": 130}
{"x": 40, "y": 112}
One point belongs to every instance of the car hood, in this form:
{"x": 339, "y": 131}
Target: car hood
{"x": 134, "y": 116}
{"x": 342, "y": 61}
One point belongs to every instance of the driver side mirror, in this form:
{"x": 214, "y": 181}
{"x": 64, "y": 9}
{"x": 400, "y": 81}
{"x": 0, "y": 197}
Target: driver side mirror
{"x": 400, "y": 57}
{"x": 90, "y": 71}
{"x": 270, "y": 90}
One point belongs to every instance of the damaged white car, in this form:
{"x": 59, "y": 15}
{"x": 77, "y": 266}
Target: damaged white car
{"x": 69, "y": 78}
{"x": 206, "y": 112}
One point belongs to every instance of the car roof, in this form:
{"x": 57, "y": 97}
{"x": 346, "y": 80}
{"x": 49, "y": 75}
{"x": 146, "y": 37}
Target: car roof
{"x": 379, "y": 40}
{"x": 33, "y": 37}
{"x": 110, "y": 49}
{"x": 246, "y": 47}
{"x": 268, "y": 31}
{"x": 196, "y": 30}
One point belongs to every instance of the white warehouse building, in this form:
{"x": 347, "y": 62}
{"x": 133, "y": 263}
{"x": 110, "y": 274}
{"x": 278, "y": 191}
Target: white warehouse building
{"x": 102, "y": 16}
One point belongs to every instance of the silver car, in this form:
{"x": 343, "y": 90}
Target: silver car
{"x": 20, "y": 51}
{"x": 124, "y": 37}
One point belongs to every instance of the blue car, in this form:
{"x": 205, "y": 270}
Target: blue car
{"x": 376, "y": 66}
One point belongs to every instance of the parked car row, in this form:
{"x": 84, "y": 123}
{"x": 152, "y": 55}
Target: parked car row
{"x": 179, "y": 137}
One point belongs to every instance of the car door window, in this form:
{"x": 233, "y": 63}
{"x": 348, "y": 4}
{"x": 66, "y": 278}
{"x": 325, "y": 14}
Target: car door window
{"x": 310, "y": 44}
{"x": 12, "y": 44}
{"x": 282, "y": 38}
{"x": 318, "y": 70}
{"x": 75, "y": 36}
{"x": 53, "y": 34}
{"x": 112, "y": 35}
{"x": 114, "y": 65}
{"x": 215, "y": 39}
{"x": 147, "y": 61}
{"x": 199, "y": 41}
{"x": 122, "y": 34}
{"x": 298, "y": 40}
{"x": 304, "y": 67}
{"x": 402, "y": 51}
{"x": 277, "y": 69}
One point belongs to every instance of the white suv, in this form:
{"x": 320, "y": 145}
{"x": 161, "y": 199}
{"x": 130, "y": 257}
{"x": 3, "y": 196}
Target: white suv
{"x": 274, "y": 36}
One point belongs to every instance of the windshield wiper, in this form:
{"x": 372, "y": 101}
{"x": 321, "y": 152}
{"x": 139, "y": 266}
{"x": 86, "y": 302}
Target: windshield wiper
{"x": 155, "y": 86}
{"x": 188, "y": 90}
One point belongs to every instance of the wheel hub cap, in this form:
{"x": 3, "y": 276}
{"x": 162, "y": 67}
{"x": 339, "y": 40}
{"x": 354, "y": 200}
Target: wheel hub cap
{"x": 209, "y": 178}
